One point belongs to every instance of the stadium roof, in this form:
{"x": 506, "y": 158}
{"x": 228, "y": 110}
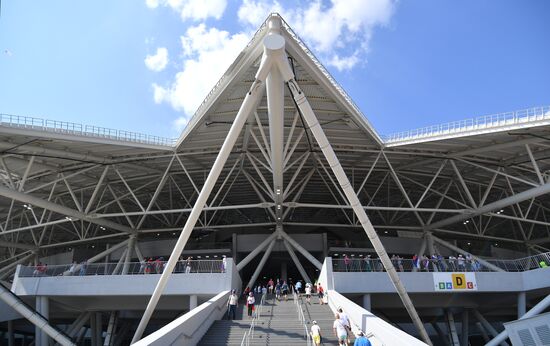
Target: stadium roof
{"x": 66, "y": 183}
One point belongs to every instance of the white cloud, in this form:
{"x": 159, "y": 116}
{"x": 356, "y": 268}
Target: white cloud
{"x": 330, "y": 29}
{"x": 338, "y": 31}
{"x": 152, "y": 3}
{"x": 344, "y": 63}
{"x": 193, "y": 9}
{"x": 207, "y": 55}
{"x": 158, "y": 61}
{"x": 179, "y": 124}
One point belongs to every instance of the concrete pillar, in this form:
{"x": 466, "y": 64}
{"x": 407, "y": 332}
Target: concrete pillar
{"x": 193, "y": 302}
{"x": 522, "y": 304}
{"x": 283, "y": 271}
{"x": 465, "y": 331}
{"x": 325, "y": 245}
{"x": 43, "y": 308}
{"x": 93, "y": 329}
{"x": 11, "y": 334}
{"x": 234, "y": 247}
{"x": 98, "y": 328}
{"x": 367, "y": 302}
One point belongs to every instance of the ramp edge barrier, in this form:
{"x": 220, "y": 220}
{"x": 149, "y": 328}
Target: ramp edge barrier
{"x": 380, "y": 332}
{"x": 189, "y": 328}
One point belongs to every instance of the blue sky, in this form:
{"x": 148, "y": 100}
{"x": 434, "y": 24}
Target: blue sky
{"x": 145, "y": 65}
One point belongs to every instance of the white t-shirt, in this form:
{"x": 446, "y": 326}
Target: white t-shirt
{"x": 308, "y": 290}
{"x": 315, "y": 330}
{"x": 340, "y": 329}
{"x": 344, "y": 318}
{"x": 233, "y": 299}
{"x": 250, "y": 300}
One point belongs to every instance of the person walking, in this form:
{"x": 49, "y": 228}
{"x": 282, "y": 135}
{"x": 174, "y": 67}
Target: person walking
{"x": 308, "y": 293}
{"x": 361, "y": 339}
{"x": 345, "y": 321}
{"x": 232, "y": 304}
{"x": 316, "y": 333}
{"x": 339, "y": 330}
{"x": 224, "y": 264}
{"x": 284, "y": 289}
{"x": 278, "y": 291}
{"x": 320, "y": 294}
{"x": 270, "y": 286}
{"x": 250, "y": 301}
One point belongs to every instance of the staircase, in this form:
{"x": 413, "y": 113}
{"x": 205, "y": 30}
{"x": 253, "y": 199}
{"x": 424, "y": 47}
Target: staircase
{"x": 324, "y": 317}
{"x": 278, "y": 325}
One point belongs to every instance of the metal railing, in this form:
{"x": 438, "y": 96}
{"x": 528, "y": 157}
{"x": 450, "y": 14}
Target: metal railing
{"x": 367, "y": 264}
{"x": 249, "y": 334}
{"x": 69, "y": 128}
{"x": 492, "y": 121}
{"x": 301, "y": 317}
{"x": 135, "y": 268}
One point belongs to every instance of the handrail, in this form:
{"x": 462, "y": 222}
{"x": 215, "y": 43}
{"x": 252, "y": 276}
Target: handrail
{"x": 257, "y": 314}
{"x": 491, "y": 121}
{"x": 301, "y": 317}
{"x": 367, "y": 264}
{"x": 135, "y": 268}
{"x": 70, "y": 128}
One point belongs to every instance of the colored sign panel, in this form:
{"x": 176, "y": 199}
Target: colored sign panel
{"x": 455, "y": 282}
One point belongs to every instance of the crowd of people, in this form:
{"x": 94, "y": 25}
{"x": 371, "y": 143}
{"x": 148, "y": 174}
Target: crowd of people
{"x": 280, "y": 289}
{"x": 435, "y": 262}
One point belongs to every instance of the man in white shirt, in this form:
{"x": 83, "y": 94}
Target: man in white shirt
{"x": 345, "y": 322}
{"x": 316, "y": 333}
{"x": 340, "y": 331}
{"x": 232, "y": 303}
{"x": 308, "y": 293}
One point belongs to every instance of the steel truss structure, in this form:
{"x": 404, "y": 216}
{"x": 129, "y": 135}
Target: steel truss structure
{"x": 61, "y": 188}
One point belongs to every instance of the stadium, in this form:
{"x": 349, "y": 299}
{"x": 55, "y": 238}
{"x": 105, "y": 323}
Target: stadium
{"x": 437, "y": 236}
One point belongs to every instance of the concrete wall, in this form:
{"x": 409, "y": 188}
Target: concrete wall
{"x": 191, "y": 327}
{"x": 126, "y": 285}
{"x": 248, "y": 242}
{"x": 421, "y": 282}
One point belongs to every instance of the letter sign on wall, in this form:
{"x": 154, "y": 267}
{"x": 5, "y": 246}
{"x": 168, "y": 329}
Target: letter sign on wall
{"x": 455, "y": 282}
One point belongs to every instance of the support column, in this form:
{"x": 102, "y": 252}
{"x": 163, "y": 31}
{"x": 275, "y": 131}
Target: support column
{"x": 465, "y": 331}
{"x": 193, "y": 301}
{"x": 98, "y": 328}
{"x": 301, "y": 269}
{"x": 234, "y": 247}
{"x": 522, "y": 304}
{"x": 325, "y": 246}
{"x": 93, "y": 329}
{"x": 284, "y": 271}
{"x": 489, "y": 328}
{"x": 367, "y": 301}
{"x": 43, "y": 308}
{"x": 261, "y": 264}
{"x": 307, "y": 112}
{"x": 129, "y": 251}
{"x": 452, "y": 329}
{"x": 11, "y": 334}
{"x": 483, "y": 332}
{"x": 249, "y": 103}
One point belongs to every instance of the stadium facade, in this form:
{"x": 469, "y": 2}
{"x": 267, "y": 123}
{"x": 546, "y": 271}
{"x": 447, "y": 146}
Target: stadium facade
{"x": 277, "y": 175}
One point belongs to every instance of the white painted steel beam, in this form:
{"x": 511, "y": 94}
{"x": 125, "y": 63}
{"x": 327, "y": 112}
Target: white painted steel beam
{"x": 297, "y": 262}
{"x": 300, "y": 249}
{"x": 38, "y": 202}
{"x": 261, "y": 265}
{"x": 248, "y": 105}
{"x": 256, "y": 251}
{"x": 500, "y": 204}
{"x": 314, "y": 126}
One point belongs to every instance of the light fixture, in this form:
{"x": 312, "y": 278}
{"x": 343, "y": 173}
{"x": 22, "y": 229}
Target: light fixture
{"x": 68, "y": 218}
{"x": 102, "y": 228}
{"x": 496, "y": 244}
{"x": 469, "y": 243}
{"x": 93, "y": 246}
{"x": 207, "y": 256}
{"x": 158, "y": 234}
{"x": 278, "y": 191}
{"x": 352, "y": 255}
{"x": 198, "y": 256}
{"x": 173, "y": 233}
{"x": 215, "y": 256}
{"x": 386, "y": 232}
{"x": 279, "y": 206}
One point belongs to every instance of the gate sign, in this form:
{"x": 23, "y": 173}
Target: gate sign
{"x": 455, "y": 282}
